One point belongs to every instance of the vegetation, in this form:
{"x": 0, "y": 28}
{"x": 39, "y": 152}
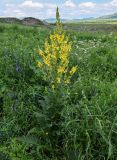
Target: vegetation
{"x": 76, "y": 121}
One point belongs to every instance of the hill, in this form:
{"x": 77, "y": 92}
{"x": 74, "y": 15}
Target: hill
{"x": 111, "y": 16}
{"x": 31, "y": 21}
{"x": 9, "y": 20}
{"x": 25, "y": 21}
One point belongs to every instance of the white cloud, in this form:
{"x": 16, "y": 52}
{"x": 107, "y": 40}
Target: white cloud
{"x": 20, "y": 14}
{"x": 17, "y": 11}
{"x": 50, "y": 6}
{"x": 87, "y": 5}
{"x": 69, "y": 3}
{"x": 9, "y": 5}
{"x": 31, "y": 4}
{"x": 114, "y": 2}
{"x": 14, "y": 13}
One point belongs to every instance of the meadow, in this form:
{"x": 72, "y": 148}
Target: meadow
{"x": 77, "y": 121}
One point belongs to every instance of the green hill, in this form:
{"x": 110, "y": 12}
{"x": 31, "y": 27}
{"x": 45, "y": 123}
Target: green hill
{"x": 111, "y": 16}
{"x": 9, "y": 20}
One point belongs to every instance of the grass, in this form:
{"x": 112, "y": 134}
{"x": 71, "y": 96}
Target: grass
{"x": 77, "y": 124}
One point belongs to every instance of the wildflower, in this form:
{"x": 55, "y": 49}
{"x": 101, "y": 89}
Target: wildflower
{"x": 67, "y": 81}
{"x": 73, "y": 70}
{"x": 39, "y": 64}
{"x": 41, "y": 53}
{"x": 54, "y": 59}
{"x": 46, "y": 60}
{"x": 61, "y": 69}
{"x": 53, "y": 86}
{"x": 58, "y": 80}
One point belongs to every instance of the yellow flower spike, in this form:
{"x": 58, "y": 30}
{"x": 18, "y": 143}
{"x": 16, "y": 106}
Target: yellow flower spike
{"x": 55, "y": 57}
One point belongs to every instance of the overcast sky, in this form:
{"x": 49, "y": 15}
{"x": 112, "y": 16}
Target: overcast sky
{"x": 72, "y": 9}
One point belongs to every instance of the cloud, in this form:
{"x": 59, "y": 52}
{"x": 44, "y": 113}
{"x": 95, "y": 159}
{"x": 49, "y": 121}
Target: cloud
{"x": 87, "y": 5}
{"x": 17, "y": 11}
{"x": 31, "y": 4}
{"x": 50, "y": 6}
{"x": 114, "y": 2}
{"x": 14, "y": 13}
{"x": 69, "y": 3}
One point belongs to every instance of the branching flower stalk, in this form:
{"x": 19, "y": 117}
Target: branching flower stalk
{"x": 54, "y": 59}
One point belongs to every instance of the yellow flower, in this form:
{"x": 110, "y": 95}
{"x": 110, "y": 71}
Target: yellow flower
{"x": 60, "y": 69}
{"x": 67, "y": 81}
{"x": 41, "y": 53}
{"x": 73, "y": 70}
{"x": 46, "y": 60}
{"x": 39, "y": 64}
{"x": 53, "y": 86}
{"x": 58, "y": 80}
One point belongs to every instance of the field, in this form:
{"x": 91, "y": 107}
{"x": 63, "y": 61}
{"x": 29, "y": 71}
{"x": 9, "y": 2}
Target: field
{"x": 92, "y": 26}
{"x": 78, "y": 122}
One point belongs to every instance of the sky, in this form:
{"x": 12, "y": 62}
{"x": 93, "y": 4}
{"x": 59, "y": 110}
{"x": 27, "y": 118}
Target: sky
{"x": 69, "y": 9}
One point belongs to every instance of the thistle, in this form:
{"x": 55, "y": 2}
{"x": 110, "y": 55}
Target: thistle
{"x": 54, "y": 59}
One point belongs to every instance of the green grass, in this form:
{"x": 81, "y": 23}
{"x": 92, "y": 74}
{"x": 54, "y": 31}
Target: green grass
{"x": 79, "y": 123}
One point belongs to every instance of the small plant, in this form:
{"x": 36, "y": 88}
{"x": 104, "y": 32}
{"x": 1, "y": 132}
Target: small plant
{"x": 54, "y": 59}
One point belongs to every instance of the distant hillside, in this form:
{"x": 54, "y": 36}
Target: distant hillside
{"x": 112, "y": 17}
{"x": 109, "y": 16}
{"x": 9, "y": 20}
{"x": 26, "y": 21}
{"x": 81, "y": 20}
{"x": 31, "y": 21}
{"x": 53, "y": 20}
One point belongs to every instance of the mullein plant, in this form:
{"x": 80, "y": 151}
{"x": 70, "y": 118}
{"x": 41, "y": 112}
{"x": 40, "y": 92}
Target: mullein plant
{"x": 54, "y": 59}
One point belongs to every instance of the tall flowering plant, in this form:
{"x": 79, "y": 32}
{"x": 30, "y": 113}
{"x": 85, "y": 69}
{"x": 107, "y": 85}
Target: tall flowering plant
{"x": 54, "y": 59}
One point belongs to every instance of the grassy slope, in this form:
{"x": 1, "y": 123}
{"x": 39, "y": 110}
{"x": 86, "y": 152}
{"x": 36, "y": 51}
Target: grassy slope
{"x": 88, "y": 126}
{"x": 96, "y": 21}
